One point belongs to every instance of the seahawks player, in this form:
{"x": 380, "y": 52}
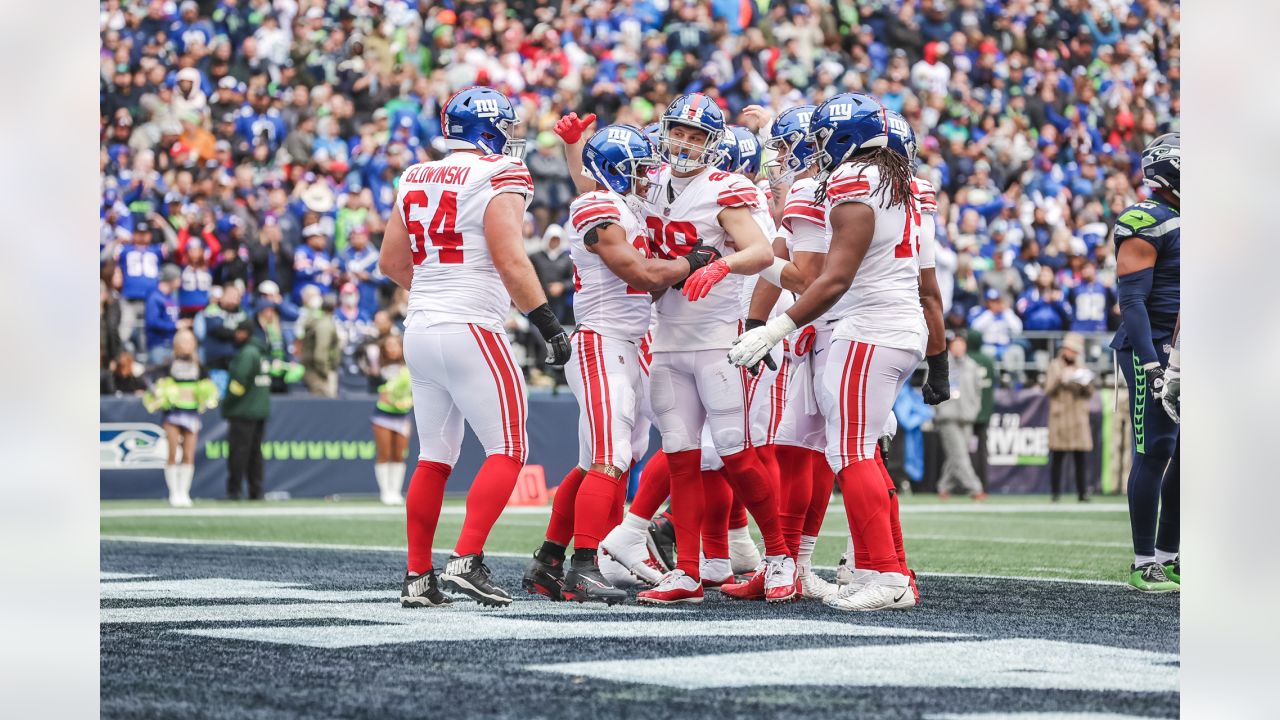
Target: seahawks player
{"x": 1147, "y": 265}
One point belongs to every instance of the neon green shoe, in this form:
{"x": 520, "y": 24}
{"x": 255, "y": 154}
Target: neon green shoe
{"x": 1150, "y": 578}
{"x": 1173, "y": 570}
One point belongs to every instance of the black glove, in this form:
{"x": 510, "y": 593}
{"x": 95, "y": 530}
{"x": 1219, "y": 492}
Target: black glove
{"x": 1155, "y": 379}
{"x": 557, "y": 339}
{"x": 886, "y": 444}
{"x": 699, "y": 256}
{"x": 937, "y": 387}
{"x": 768, "y": 359}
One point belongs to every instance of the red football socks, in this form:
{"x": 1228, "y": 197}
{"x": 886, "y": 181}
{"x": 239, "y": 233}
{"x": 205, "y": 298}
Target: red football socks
{"x": 822, "y": 478}
{"x": 718, "y": 501}
{"x": 867, "y": 504}
{"x": 655, "y": 486}
{"x": 751, "y": 485}
{"x": 797, "y": 491}
{"x": 687, "y": 508}
{"x": 737, "y": 514}
{"x": 486, "y": 499}
{"x": 894, "y": 525}
{"x": 768, "y": 457}
{"x": 422, "y": 511}
{"x": 560, "y": 527}
{"x": 594, "y": 509}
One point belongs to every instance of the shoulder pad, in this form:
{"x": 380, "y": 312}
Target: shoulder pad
{"x": 593, "y": 210}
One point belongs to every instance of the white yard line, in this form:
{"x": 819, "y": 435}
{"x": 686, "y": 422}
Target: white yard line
{"x": 543, "y": 511}
{"x": 1001, "y": 540}
{"x": 394, "y": 549}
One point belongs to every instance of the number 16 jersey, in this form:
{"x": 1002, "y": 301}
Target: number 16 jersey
{"x": 443, "y": 203}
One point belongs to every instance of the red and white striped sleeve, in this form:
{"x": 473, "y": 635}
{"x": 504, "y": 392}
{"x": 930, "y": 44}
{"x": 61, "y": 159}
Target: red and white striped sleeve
{"x": 514, "y": 177}
{"x": 926, "y": 196}
{"x": 737, "y": 191}
{"x": 592, "y": 210}
{"x": 802, "y": 206}
{"x": 850, "y": 183}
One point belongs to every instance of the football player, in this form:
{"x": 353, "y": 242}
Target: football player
{"x": 691, "y": 383}
{"x": 613, "y": 278}
{"x": 1148, "y": 257}
{"x": 454, "y": 242}
{"x": 880, "y": 338}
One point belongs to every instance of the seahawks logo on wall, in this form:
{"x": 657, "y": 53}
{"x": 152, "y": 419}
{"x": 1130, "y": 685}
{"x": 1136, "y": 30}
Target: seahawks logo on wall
{"x": 132, "y": 446}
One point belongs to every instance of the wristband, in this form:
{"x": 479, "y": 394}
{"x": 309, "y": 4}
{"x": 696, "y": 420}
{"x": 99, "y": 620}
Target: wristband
{"x": 545, "y": 320}
{"x": 750, "y": 324}
{"x": 773, "y": 273}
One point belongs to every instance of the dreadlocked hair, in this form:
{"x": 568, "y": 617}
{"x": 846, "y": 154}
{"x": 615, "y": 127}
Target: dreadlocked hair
{"x": 895, "y": 173}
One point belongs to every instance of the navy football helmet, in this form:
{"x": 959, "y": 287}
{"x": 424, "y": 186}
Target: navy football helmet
{"x": 902, "y": 138}
{"x": 619, "y": 157}
{"x": 1161, "y": 162}
{"x": 698, "y": 111}
{"x": 789, "y": 142}
{"x": 481, "y": 118}
{"x": 843, "y": 125}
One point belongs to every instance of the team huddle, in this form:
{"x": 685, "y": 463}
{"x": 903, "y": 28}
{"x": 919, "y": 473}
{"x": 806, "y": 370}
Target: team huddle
{"x": 763, "y": 318}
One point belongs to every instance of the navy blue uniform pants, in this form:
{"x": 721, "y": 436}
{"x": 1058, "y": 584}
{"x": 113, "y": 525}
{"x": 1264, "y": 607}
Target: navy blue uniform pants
{"x": 1153, "y": 479}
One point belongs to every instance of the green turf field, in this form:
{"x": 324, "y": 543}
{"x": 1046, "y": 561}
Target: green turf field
{"x": 1013, "y": 536}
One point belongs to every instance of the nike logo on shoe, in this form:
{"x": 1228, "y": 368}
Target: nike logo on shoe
{"x": 901, "y": 595}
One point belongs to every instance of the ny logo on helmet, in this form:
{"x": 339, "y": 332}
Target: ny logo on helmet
{"x": 748, "y": 146}
{"x": 487, "y": 108}
{"x": 617, "y": 135}
{"x": 899, "y": 126}
{"x": 842, "y": 111}
{"x": 803, "y": 117}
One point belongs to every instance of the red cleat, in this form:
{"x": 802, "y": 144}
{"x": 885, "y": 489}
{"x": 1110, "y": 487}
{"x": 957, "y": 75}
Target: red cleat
{"x": 781, "y": 583}
{"x": 676, "y": 588}
{"x": 752, "y": 589}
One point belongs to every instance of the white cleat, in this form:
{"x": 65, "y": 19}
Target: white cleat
{"x": 715, "y": 572}
{"x": 780, "y": 583}
{"x": 630, "y": 548}
{"x": 392, "y": 499}
{"x": 814, "y": 586}
{"x": 844, "y": 571}
{"x": 879, "y": 591}
{"x": 743, "y": 553}
{"x": 617, "y": 575}
{"x": 854, "y": 579}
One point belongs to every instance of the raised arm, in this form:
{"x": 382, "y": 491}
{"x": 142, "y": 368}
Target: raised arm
{"x": 572, "y": 130}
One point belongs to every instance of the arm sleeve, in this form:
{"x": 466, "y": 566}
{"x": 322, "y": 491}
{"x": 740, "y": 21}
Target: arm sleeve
{"x": 1134, "y": 289}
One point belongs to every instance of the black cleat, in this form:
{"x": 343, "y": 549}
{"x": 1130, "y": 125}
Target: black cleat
{"x": 662, "y": 540}
{"x": 545, "y": 578}
{"x": 469, "y": 575}
{"x": 584, "y": 583}
{"x": 423, "y": 591}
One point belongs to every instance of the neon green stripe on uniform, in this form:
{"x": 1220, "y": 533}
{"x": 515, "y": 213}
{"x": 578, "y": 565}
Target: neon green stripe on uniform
{"x": 1139, "y": 405}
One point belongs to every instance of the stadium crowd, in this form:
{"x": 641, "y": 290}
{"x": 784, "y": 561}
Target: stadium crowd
{"x": 250, "y": 149}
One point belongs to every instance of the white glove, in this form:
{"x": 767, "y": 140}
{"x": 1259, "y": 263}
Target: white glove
{"x": 1172, "y": 389}
{"x": 751, "y": 346}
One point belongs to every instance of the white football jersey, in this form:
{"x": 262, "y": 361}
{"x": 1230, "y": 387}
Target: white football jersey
{"x": 882, "y": 306}
{"x": 675, "y": 225}
{"x": 442, "y": 204}
{"x": 804, "y": 218}
{"x": 602, "y": 301}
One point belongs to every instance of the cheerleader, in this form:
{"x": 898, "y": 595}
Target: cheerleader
{"x": 391, "y": 422}
{"x": 182, "y": 390}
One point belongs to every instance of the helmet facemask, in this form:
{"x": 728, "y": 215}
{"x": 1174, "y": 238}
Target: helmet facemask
{"x": 684, "y": 156}
{"x": 783, "y": 168}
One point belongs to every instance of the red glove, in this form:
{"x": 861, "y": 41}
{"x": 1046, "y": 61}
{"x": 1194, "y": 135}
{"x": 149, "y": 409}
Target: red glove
{"x": 700, "y": 282}
{"x": 570, "y": 127}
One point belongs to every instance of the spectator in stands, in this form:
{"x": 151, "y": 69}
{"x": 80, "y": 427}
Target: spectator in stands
{"x": 1002, "y": 278}
{"x": 359, "y": 265}
{"x": 954, "y": 420}
{"x": 271, "y": 331}
{"x": 1000, "y": 327}
{"x": 555, "y": 272}
{"x": 1042, "y": 308}
{"x": 354, "y": 327}
{"x": 1069, "y": 386}
{"x": 320, "y": 348}
{"x": 139, "y": 262}
{"x": 312, "y": 264}
{"x": 989, "y": 380}
{"x": 1091, "y": 302}
{"x": 109, "y": 341}
{"x": 215, "y": 327}
{"x": 162, "y": 319}
{"x": 550, "y": 175}
{"x": 246, "y": 406}
{"x": 125, "y": 377}
{"x": 193, "y": 292}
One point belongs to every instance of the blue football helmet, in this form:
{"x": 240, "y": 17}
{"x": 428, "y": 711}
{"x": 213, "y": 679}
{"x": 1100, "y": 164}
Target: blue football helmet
{"x": 749, "y": 151}
{"x": 482, "y": 118}
{"x": 1161, "y": 163}
{"x": 653, "y": 131}
{"x": 698, "y": 111}
{"x": 902, "y": 138}
{"x": 843, "y": 125}
{"x": 789, "y": 142}
{"x": 619, "y": 157}
{"x": 729, "y": 157}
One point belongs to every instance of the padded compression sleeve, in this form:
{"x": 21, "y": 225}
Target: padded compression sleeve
{"x": 1134, "y": 289}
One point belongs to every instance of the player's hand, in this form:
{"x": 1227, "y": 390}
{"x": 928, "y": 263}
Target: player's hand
{"x": 558, "y": 350}
{"x": 699, "y": 284}
{"x": 886, "y": 444}
{"x": 1155, "y": 379}
{"x": 750, "y": 324}
{"x": 751, "y": 347}
{"x": 757, "y": 114}
{"x": 937, "y": 386}
{"x": 700, "y": 256}
{"x": 570, "y": 127}
{"x": 1171, "y": 392}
